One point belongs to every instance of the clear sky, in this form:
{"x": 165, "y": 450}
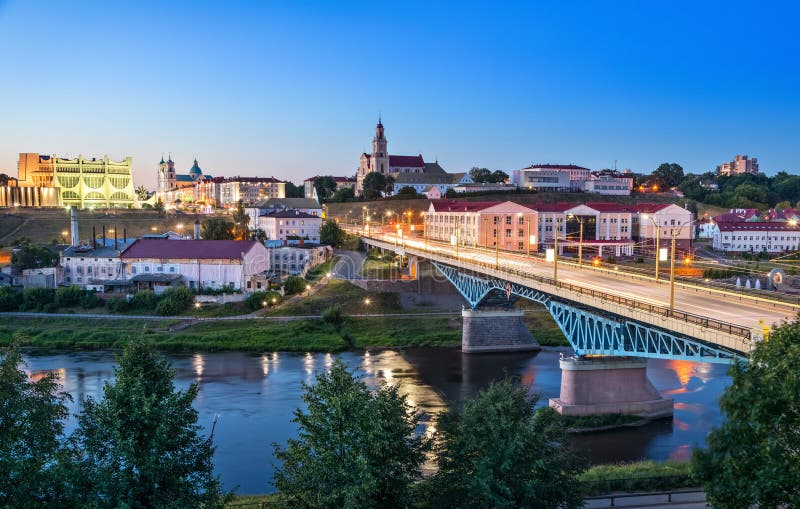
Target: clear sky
{"x": 291, "y": 89}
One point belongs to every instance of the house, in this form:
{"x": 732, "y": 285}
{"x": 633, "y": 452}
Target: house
{"x": 296, "y": 257}
{"x": 157, "y": 264}
{"x": 305, "y": 205}
{"x": 437, "y": 178}
{"x": 290, "y": 224}
{"x": 756, "y": 236}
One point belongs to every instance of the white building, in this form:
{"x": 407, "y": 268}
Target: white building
{"x": 305, "y": 205}
{"x": 160, "y": 263}
{"x": 755, "y": 237}
{"x": 290, "y": 224}
{"x": 296, "y": 258}
{"x": 552, "y": 177}
{"x": 250, "y": 190}
{"x": 618, "y": 185}
{"x": 437, "y": 177}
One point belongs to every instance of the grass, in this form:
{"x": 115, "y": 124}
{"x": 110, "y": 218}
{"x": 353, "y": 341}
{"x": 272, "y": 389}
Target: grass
{"x": 639, "y": 476}
{"x": 321, "y": 270}
{"x": 351, "y": 298}
{"x": 245, "y": 335}
{"x": 538, "y": 320}
{"x": 253, "y": 502}
{"x": 584, "y": 422}
{"x": 379, "y": 269}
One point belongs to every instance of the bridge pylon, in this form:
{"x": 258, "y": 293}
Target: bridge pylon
{"x": 495, "y": 330}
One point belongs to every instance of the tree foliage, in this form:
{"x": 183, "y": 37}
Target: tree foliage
{"x": 32, "y": 458}
{"x": 325, "y": 187}
{"x": 497, "y": 452}
{"x": 241, "y": 222}
{"x": 407, "y": 192}
{"x": 753, "y": 459}
{"x": 376, "y": 184}
{"x": 294, "y": 191}
{"x": 484, "y": 175}
{"x": 331, "y": 233}
{"x": 355, "y": 448}
{"x": 294, "y": 284}
{"x": 669, "y": 174}
{"x": 344, "y": 194}
{"x": 33, "y": 257}
{"x": 140, "y": 445}
{"x": 217, "y": 228}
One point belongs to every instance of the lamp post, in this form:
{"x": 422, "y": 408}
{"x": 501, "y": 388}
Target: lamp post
{"x": 658, "y": 240}
{"x": 674, "y": 234}
{"x": 580, "y": 238}
{"x": 555, "y": 248}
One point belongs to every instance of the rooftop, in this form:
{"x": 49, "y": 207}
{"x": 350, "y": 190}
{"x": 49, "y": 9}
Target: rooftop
{"x": 189, "y": 249}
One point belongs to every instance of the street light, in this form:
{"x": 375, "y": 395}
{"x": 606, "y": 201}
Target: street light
{"x": 658, "y": 240}
{"x": 580, "y": 239}
{"x": 674, "y": 234}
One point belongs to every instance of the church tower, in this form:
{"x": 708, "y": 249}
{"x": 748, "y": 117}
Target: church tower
{"x": 380, "y": 156}
{"x": 166, "y": 175}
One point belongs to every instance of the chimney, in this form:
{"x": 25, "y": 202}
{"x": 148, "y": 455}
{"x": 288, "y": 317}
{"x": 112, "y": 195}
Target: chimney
{"x": 196, "y": 229}
{"x": 124, "y": 235}
{"x": 116, "y": 247}
{"x": 73, "y": 225}
{"x": 94, "y": 237}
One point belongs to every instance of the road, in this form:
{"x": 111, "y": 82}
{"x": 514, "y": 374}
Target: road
{"x": 349, "y": 264}
{"x": 717, "y": 305}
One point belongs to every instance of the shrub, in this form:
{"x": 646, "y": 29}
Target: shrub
{"x": 69, "y": 296}
{"x": 118, "y": 304}
{"x": 90, "y": 300}
{"x": 35, "y": 299}
{"x": 10, "y": 299}
{"x": 167, "y": 307}
{"x": 294, "y": 284}
{"x": 255, "y": 300}
{"x": 144, "y": 300}
{"x": 181, "y": 296}
{"x": 334, "y": 317}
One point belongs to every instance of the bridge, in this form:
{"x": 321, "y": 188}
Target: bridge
{"x": 612, "y": 319}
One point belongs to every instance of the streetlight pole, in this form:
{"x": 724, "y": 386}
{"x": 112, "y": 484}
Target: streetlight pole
{"x": 672, "y": 276}
{"x": 528, "y": 219}
{"x": 653, "y": 221}
{"x": 555, "y": 249}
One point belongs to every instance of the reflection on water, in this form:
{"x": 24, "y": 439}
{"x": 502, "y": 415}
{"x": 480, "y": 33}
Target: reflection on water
{"x": 255, "y": 397}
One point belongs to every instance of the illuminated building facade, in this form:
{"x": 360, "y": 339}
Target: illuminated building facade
{"x": 51, "y": 181}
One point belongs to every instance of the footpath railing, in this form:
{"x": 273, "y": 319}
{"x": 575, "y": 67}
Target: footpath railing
{"x": 703, "y": 321}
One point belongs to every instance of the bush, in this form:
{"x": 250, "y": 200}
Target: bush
{"x": 144, "y": 300}
{"x": 118, "y": 305}
{"x": 10, "y": 299}
{"x": 255, "y": 300}
{"x": 334, "y": 317}
{"x": 35, "y": 299}
{"x": 294, "y": 284}
{"x": 182, "y": 297}
{"x": 167, "y": 307}
{"x": 69, "y": 296}
{"x": 90, "y": 300}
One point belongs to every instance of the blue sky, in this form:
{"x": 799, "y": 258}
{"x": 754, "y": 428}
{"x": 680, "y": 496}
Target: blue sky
{"x": 290, "y": 89}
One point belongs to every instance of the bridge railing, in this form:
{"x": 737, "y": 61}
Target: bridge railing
{"x": 703, "y": 321}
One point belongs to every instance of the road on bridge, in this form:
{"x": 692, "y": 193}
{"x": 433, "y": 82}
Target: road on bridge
{"x": 718, "y": 305}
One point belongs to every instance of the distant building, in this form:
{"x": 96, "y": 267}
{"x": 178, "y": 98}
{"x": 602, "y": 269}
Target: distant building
{"x": 175, "y": 188}
{"x": 296, "y": 257}
{"x": 504, "y": 225}
{"x": 551, "y": 177}
{"x": 52, "y": 181}
{"x": 476, "y": 187}
{"x": 391, "y": 165}
{"x": 158, "y": 264}
{"x": 434, "y": 175}
{"x": 756, "y": 236}
{"x": 740, "y": 164}
{"x": 290, "y": 224}
{"x": 305, "y": 205}
{"x": 341, "y": 183}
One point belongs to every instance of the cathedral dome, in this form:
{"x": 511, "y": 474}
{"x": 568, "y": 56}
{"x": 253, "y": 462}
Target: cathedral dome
{"x": 195, "y": 172}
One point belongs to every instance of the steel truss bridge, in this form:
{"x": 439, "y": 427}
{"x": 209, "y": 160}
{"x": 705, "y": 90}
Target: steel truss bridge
{"x": 595, "y": 322}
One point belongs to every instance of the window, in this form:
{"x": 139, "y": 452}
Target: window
{"x": 508, "y": 232}
{"x": 521, "y": 246}
{"x": 147, "y": 268}
{"x": 89, "y": 269}
{"x": 521, "y": 233}
{"x": 521, "y": 219}
{"x": 133, "y": 269}
{"x": 508, "y": 219}
{"x": 172, "y": 269}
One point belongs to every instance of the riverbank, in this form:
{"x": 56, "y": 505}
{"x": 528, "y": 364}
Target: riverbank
{"x": 298, "y": 335}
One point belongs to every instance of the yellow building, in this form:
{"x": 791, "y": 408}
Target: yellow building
{"x": 79, "y": 182}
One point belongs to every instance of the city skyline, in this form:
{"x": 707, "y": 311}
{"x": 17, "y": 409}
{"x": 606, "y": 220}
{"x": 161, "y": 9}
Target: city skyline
{"x": 291, "y": 91}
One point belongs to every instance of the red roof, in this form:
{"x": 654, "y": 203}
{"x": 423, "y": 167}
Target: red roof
{"x": 552, "y": 207}
{"x": 462, "y": 206}
{"x": 407, "y": 161}
{"x": 610, "y": 207}
{"x": 649, "y": 208}
{"x": 189, "y": 249}
{"x": 557, "y": 167}
{"x": 253, "y": 179}
{"x": 763, "y": 226}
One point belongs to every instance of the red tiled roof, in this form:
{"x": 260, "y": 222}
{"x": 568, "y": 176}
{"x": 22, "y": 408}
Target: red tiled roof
{"x": 763, "y": 226}
{"x": 407, "y": 161}
{"x": 649, "y": 208}
{"x": 610, "y": 207}
{"x": 253, "y": 179}
{"x": 552, "y": 207}
{"x": 189, "y": 249}
{"x": 462, "y": 206}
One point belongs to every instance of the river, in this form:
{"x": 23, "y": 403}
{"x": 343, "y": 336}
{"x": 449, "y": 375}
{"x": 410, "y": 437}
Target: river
{"x": 254, "y": 397}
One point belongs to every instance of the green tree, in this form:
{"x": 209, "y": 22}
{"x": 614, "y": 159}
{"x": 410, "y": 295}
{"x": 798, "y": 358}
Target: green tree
{"x": 294, "y": 191}
{"x": 325, "y": 187}
{"x": 294, "y": 284}
{"x": 407, "y": 192}
{"x": 374, "y": 185}
{"x": 33, "y": 462}
{"x": 33, "y": 257}
{"x": 142, "y": 193}
{"x": 480, "y": 175}
{"x": 669, "y": 174}
{"x": 753, "y": 459}
{"x": 355, "y": 448}
{"x": 344, "y": 194}
{"x": 10, "y": 299}
{"x": 217, "y": 228}
{"x": 331, "y": 233}
{"x": 69, "y": 296}
{"x": 499, "y": 177}
{"x": 140, "y": 445}
{"x": 159, "y": 205}
{"x": 497, "y": 452}
{"x": 241, "y": 222}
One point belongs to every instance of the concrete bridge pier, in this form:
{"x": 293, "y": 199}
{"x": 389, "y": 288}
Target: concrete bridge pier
{"x": 487, "y": 331}
{"x": 609, "y": 385}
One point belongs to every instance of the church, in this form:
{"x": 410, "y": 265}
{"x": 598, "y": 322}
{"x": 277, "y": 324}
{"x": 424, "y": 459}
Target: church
{"x": 390, "y": 165}
{"x": 176, "y": 188}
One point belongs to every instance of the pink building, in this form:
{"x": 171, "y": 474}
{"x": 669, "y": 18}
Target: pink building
{"x": 740, "y": 164}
